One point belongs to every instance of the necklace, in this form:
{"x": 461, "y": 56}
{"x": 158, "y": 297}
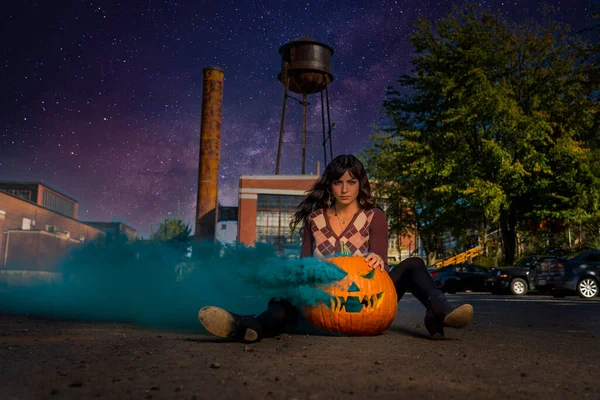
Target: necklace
{"x": 343, "y": 221}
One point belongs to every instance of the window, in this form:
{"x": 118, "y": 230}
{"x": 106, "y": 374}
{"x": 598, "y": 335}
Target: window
{"x": 58, "y": 204}
{"x": 478, "y": 269}
{"x": 273, "y": 216}
{"x": 461, "y": 268}
{"x": 22, "y": 193}
{"x": 223, "y": 227}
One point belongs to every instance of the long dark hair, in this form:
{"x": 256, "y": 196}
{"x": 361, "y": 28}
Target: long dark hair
{"x": 318, "y": 194}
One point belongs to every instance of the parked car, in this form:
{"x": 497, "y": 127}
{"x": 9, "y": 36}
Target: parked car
{"x": 580, "y": 274}
{"x": 460, "y": 277}
{"x": 521, "y": 277}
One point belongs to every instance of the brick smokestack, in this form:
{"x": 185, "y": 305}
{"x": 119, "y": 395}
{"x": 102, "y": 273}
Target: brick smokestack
{"x": 210, "y": 151}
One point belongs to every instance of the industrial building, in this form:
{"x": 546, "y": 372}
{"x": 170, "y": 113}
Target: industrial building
{"x": 39, "y": 225}
{"x": 265, "y": 205}
{"x": 42, "y": 195}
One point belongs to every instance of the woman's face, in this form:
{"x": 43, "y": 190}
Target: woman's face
{"x": 345, "y": 189}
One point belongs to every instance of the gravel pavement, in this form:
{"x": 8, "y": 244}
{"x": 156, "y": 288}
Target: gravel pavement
{"x": 530, "y": 347}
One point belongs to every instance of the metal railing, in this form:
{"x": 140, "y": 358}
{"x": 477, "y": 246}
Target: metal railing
{"x": 460, "y": 258}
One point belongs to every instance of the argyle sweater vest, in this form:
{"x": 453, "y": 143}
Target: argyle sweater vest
{"x": 353, "y": 240}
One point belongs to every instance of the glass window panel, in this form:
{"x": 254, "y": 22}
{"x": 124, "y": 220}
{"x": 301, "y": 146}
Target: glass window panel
{"x": 274, "y": 214}
{"x": 261, "y": 201}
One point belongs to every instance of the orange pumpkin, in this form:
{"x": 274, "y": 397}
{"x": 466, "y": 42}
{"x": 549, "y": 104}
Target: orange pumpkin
{"x": 363, "y": 303}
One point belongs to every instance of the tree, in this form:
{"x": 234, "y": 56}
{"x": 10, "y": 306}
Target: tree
{"x": 173, "y": 231}
{"x": 490, "y": 129}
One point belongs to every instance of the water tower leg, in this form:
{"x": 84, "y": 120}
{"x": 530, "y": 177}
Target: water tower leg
{"x": 285, "y": 96}
{"x": 323, "y": 121}
{"x": 304, "y": 103}
{"x": 329, "y": 121}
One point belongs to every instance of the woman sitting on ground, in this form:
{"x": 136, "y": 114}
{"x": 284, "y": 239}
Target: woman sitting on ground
{"x": 340, "y": 216}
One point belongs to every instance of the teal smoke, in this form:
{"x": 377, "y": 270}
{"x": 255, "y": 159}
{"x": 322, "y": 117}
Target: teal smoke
{"x": 159, "y": 285}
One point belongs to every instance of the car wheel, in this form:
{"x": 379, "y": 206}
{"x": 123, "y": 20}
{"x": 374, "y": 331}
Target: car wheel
{"x": 587, "y": 287}
{"x": 518, "y": 287}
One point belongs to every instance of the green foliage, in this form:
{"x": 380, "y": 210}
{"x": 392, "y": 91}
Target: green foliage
{"x": 173, "y": 231}
{"x": 590, "y": 232}
{"x": 492, "y": 128}
{"x": 489, "y": 261}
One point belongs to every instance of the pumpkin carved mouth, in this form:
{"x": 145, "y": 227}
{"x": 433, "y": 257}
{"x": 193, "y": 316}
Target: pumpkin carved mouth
{"x": 354, "y": 304}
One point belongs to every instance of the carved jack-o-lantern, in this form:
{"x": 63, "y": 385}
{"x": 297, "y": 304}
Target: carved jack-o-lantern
{"x": 362, "y": 303}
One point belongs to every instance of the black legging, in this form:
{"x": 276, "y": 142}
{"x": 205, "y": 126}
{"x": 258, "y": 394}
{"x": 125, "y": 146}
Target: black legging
{"x": 410, "y": 275}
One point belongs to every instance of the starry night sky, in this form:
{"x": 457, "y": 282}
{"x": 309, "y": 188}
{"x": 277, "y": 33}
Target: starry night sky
{"x": 101, "y": 99}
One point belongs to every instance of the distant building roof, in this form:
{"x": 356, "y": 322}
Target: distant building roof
{"x": 106, "y": 224}
{"x": 39, "y": 183}
{"x": 46, "y": 208}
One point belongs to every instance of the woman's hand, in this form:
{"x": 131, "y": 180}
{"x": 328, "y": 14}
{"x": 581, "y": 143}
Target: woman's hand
{"x": 375, "y": 261}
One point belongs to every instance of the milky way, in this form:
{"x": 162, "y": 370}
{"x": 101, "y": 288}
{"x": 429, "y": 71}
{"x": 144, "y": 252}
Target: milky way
{"x": 102, "y": 100}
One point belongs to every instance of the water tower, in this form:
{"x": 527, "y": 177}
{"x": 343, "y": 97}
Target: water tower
{"x": 305, "y": 70}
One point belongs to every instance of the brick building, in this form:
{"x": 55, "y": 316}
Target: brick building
{"x": 267, "y": 202}
{"x": 43, "y": 195}
{"x": 39, "y": 225}
{"x": 33, "y": 237}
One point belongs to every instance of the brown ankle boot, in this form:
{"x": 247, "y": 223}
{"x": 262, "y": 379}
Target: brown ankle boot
{"x": 441, "y": 314}
{"x": 222, "y": 323}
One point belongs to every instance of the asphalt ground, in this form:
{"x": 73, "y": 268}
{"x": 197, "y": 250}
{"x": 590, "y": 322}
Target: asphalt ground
{"x": 530, "y": 347}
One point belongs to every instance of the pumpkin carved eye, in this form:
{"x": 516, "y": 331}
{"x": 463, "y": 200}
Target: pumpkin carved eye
{"x": 370, "y": 275}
